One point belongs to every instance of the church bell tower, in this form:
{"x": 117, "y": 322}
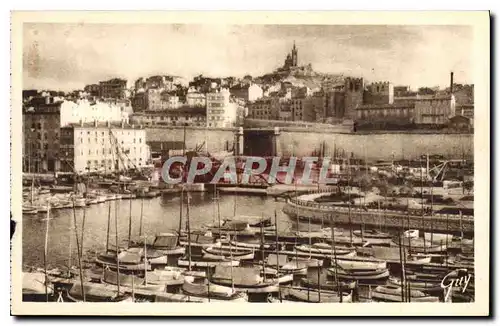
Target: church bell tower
{"x": 294, "y": 55}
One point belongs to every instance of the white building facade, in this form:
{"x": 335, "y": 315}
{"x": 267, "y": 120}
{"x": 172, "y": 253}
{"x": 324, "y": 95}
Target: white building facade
{"x": 86, "y": 111}
{"x": 103, "y": 147}
{"x": 221, "y": 111}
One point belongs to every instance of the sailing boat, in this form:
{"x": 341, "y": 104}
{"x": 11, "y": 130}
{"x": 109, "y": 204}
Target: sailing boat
{"x": 317, "y": 296}
{"x": 98, "y": 292}
{"x": 190, "y": 260}
{"x": 246, "y": 279}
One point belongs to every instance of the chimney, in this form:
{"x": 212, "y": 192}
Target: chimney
{"x": 451, "y": 82}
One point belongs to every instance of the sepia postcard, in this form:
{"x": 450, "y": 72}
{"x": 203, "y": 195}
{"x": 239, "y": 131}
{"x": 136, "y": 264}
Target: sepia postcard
{"x": 255, "y": 163}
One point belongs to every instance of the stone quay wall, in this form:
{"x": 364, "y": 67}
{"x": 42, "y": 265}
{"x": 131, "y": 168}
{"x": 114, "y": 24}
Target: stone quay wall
{"x": 372, "y": 146}
{"x": 317, "y": 213}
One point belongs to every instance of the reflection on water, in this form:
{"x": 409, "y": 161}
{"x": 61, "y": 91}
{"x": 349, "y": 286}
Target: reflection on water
{"x": 160, "y": 214}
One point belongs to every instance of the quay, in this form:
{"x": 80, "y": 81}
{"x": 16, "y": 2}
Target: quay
{"x": 321, "y": 214}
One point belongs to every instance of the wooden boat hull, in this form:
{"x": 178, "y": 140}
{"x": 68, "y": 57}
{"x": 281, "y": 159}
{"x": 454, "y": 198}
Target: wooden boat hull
{"x": 214, "y": 291}
{"x": 421, "y": 286}
{"x": 309, "y": 295}
{"x": 372, "y": 235}
{"x": 247, "y": 245}
{"x": 210, "y": 256}
{"x": 173, "y": 251}
{"x": 319, "y": 249}
{"x": 393, "y": 294}
{"x": 329, "y": 285}
{"x": 313, "y": 255}
{"x": 267, "y": 287}
{"x": 359, "y": 275}
{"x": 208, "y": 263}
{"x": 359, "y": 264}
{"x": 122, "y": 267}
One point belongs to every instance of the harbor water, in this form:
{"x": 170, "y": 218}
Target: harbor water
{"x": 160, "y": 214}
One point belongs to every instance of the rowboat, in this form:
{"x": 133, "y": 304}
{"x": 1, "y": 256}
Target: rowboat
{"x": 326, "y": 283}
{"x": 360, "y": 264}
{"x": 30, "y": 210}
{"x": 246, "y": 279}
{"x": 312, "y": 295}
{"x": 167, "y": 277}
{"x": 296, "y": 268}
{"x": 365, "y": 275}
{"x": 427, "y": 287}
{"x": 216, "y": 253}
{"x": 372, "y": 234}
{"x": 206, "y": 289}
{"x": 250, "y": 245}
{"x": 96, "y": 292}
{"x": 126, "y": 280}
{"x": 272, "y": 273}
{"x": 393, "y": 293}
{"x": 323, "y": 248}
{"x": 109, "y": 260}
{"x": 204, "y": 263}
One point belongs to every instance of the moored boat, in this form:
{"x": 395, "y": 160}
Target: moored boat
{"x": 246, "y": 279}
{"x": 312, "y": 295}
{"x": 393, "y": 293}
{"x": 204, "y": 289}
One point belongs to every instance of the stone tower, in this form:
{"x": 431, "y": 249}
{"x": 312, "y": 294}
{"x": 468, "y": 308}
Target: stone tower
{"x": 294, "y": 55}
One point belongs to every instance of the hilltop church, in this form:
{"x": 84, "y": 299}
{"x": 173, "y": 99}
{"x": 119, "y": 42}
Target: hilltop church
{"x": 291, "y": 63}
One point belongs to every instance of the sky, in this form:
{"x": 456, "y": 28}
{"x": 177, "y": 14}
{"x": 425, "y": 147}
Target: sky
{"x": 69, "y": 56}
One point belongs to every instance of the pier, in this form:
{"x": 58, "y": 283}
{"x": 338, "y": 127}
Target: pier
{"x": 317, "y": 213}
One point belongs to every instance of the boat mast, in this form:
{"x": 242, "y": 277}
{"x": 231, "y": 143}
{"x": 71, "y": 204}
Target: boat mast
{"x": 140, "y": 221}
{"x": 145, "y": 261}
{"x": 402, "y": 269}
{"x": 45, "y": 253}
{"x": 231, "y": 260}
{"x": 298, "y": 215}
{"x": 334, "y": 254}
{"x": 130, "y": 222}
{"x": 277, "y": 254}
{"x": 181, "y": 204}
{"x": 422, "y": 200}
{"x": 83, "y": 226}
{"x": 109, "y": 225}
{"x": 117, "y": 250}
{"x": 349, "y": 196}
{"x": 188, "y": 231}
{"x": 262, "y": 250}
{"x": 78, "y": 251}
{"x": 70, "y": 245}
{"x": 218, "y": 214}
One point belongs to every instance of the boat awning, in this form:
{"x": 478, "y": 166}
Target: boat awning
{"x": 166, "y": 240}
